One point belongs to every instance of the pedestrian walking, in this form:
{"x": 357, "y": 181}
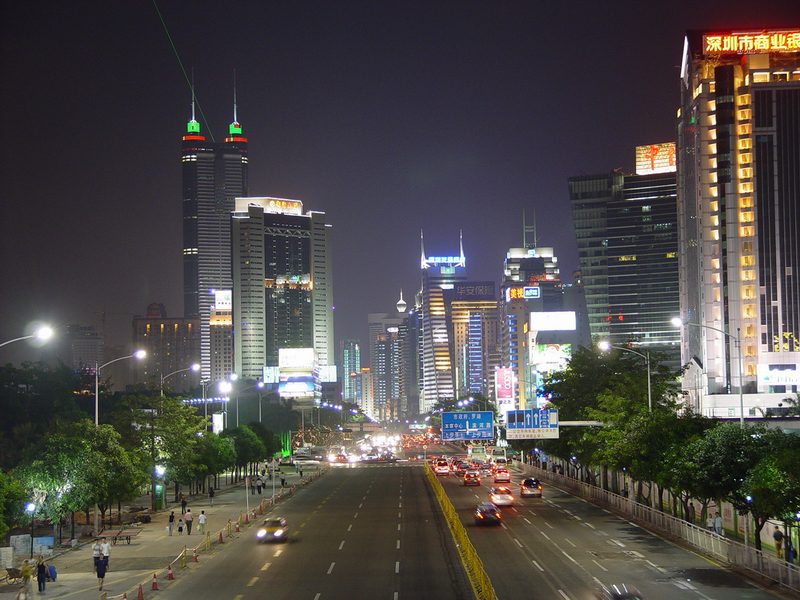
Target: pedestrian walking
{"x": 101, "y": 570}
{"x": 95, "y": 554}
{"x": 171, "y": 521}
{"x": 259, "y": 485}
{"x": 777, "y": 535}
{"x": 183, "y": 503}
{"x": 105, "y": 550}
{"x": 710, "y": 522}
{"x": 718, "y": 524}
{"x": 41, "y": 573}
{"x": 187, "y": 518}
{"x": 180, "y": 526}
{"x": 283, "y": 481}
{"x": 301, "y": 473}
{"x": 211, "y": 495}
{"x": 201, "y": 521}
{"x": 27, "y": 570}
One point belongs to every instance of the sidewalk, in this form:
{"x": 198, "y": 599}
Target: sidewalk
{"x": 153, "y": 549}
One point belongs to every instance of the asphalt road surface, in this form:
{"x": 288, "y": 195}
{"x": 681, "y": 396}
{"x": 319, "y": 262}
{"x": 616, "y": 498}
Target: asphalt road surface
{"x": 361, "y": 531}
{"x": 562, "y": 547}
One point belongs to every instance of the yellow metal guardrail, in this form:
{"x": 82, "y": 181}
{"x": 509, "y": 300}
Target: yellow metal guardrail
{"x": 478, "y": 579}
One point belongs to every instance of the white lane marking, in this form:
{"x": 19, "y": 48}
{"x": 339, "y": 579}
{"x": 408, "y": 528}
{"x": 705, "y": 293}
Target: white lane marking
{"x": 618, "y": 543}
{"x": 361, "y": 505}
{"x": 548, "y": 524}
{"x": 605, "y": 510}
{"x": 545, "y": 536}
{"x": 399, "y": 515}
{"x": 252, "y": 582}
{"x": 569, "y": 557}
{"x": 503, "y": 525}
{"x": 526, "y": 520}
{"x": 266, "y": 566}
{"x": 569, "y": 541}
{"x": 563, "y": 595}
{"x": 350, "y": 527}
{"x": 398, "y": 545}
{"x": 396, "y": 595}
{"x": 400, "y": 505}
{"x": 599, "y": 565}
{"x": 278, "y": 552}
{"x": 398, "y": 527}
{"x": 589, "y": 525}
{"x": 397, "y": 566}
{"x": 634, "y": 524}
{"x": 514, "y": 509}
{"x": 533, "y": 513}
{"x": 318, "y": 596}
{"x": 518, "y": 542}
{"x": 538, "y": 566}
{"x": 341, "y": 545}
{"x": 355, "y": 516}
{"x": 330, "y": 569}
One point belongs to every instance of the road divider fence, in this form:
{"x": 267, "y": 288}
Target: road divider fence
{"x": 478, "y": 579}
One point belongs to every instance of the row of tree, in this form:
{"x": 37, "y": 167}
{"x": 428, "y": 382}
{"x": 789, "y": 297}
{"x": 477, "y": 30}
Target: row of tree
{"x": 53, "y": 456}
{"x": 689, "y": 457}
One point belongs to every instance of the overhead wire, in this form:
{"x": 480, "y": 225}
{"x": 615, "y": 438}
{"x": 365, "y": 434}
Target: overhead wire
{"x": 189, "y": 81}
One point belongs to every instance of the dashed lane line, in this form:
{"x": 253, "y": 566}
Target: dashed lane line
{"x": 330, "y": 569}
{"x": 252, "y": 582}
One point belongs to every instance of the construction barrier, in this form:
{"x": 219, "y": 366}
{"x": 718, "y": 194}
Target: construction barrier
{"x": 478, "y": 579}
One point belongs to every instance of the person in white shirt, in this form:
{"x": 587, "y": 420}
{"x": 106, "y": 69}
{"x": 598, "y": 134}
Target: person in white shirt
{"x": 105, "y": 550}
{"x": 95, "y": 553}
{"x": 201, "y": 521}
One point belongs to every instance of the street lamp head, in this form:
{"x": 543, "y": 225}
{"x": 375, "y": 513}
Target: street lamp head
{"x": 676, "y": 322}
{"x": 233, "y": 377}
{"x": 260, "y": 384}
{"x": 139, "y": 354}
{"x": 225, "y": 387}
{"x": 30, "y": 507}
{"x": 160, "y": 470}
{"x": 604, "y": 345}
{"x": 44, "y": 333}
{"x": 195, "y": 367}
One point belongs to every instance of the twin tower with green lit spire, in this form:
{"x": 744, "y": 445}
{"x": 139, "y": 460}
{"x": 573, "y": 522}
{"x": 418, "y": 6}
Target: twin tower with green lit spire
{"x": 214, "y": 174}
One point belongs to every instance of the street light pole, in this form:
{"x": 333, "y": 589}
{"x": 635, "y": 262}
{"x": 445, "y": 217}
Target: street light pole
{"x": 43, "y": 333}
{"x": 605, "y": 346}
{"x": 195, "y": 367}
{"x": 737, "y": 339}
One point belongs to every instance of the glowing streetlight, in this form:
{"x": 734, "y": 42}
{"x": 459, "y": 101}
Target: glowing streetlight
{"x": 195, "y": 368}
{"x": 43, "y": 334}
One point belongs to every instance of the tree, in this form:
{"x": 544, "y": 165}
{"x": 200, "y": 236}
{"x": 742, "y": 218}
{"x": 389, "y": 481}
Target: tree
{"x": 248, "y": 447}
{"x": 214, "y": 455}
{"x": 12, "y": 501}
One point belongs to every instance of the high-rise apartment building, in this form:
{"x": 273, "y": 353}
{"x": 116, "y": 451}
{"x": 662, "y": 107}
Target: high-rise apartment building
{"x": 172, "y": 344}
{"x": 475, "y": 320}
{"x": 350, "y": 362}
{"x": 214, "y": 174}
{"x": 626, "y": 227}
{"x": 221, "y": 327}
{"x": 738, "y": 191}
{"x": 282, "y": 288}
{"x": 439, "y": 275}
{"x": 86, "y": 348}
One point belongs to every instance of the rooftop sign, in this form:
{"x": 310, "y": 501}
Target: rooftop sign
{"x": 655, "y": 158}
{"x": 756, "y": 42}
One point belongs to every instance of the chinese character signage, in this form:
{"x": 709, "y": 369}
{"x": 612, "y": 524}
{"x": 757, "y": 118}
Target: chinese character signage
{"x": 474, "y": 290}
{"x": 503, "y": 384}
{"x": 532, "y": 424}
{"x": 655, "y": 158}
{"x": 468, "y": 425}
{"x": 761, "y": 42}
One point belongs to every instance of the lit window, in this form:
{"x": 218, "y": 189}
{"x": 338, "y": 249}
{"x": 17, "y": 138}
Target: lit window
{"x": 747, "y": 247}
{"x": 713, "y": 206}
{"x": 744, "y": 114}
{"x": 712, "y": 148}
{"x": 747, "y": 261}
{"x": 745, "y": 144}
{"x": 745, "y": 158}
{"x": 746, "y": 216}
{"x": 746, "y": 231}
{"x": 712, "y": 120}
{"x": 670, "y": 255}
{"x": 746, "y": 187}
{"x": 743, "y": 99}
{"x": 748, "y": 275}
{"x": 627, "y": 258}
{"x": 743, "y": 129}
{"x": 715, "y": 263}
{"x": 745, "y": 173}
{"x": 761, "y": 77}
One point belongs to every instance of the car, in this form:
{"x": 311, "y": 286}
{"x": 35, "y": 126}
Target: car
{"x": 273, "y": 529}
{"x": 530, "y": 488}
{"x": 460, "y": 468}
{"x": 502, "y": 476}
{"x": 441, "y": 467}
{"x": 619, "y": 591}
{"x": 487, "y": 513}
{"x": 501, "y": 496}
{"x": 472, "y": 478}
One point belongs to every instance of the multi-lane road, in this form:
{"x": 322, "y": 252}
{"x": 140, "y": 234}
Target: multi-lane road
{"x": 375, "y": 531}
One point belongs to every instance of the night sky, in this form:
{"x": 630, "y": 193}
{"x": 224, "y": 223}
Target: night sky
{"x": 389, "y": 116}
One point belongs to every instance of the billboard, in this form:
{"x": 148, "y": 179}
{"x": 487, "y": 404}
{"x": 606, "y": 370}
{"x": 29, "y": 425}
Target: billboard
{"x": 223, "y": 299}
{"x": 469, "y": 425}
{"x": 655, "y": 158}
{"x": 300, "y": 386}
{"x": 503, "y": 383}
{"x": 299, "y": 359}
{"x": 752, "y": 42}
{"x": 528, "y": 292}
{"x": 784, "y": 374}
{"x": 563, "y": 320}
{"x": 550, "y": 357}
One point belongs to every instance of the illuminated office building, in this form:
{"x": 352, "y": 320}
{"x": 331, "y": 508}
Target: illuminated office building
{"x": 439, "y": 276}
{"x": 214, "y": 174}
{"x": 350, "y": 362}
{"x": 626, "y": 228}
{"x": 282, "y": 292}
{"x": 475, "y": 321}
{"x": 738, "y": 190}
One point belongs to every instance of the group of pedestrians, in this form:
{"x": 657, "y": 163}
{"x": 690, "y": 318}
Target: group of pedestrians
{"x": 43, "y": 571}
{"x": 186, "y": 519}
{"x": 101, "y": 553}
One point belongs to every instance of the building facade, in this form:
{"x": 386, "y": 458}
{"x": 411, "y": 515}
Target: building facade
{"x": 214, "y": 174}
{"x": 282, "y": 285}
{"x": 739, "y": 192}
{"x": 350, "y": 362}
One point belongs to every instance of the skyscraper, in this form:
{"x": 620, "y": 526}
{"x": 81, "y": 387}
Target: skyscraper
{"x": 214, "y": 173}
{"x": 626, "y": 227}
{"x": 282, "y": 283}
{"x": 350, "y": 362}
{"x": 439, "y": 275}
{"x": 739, "y": 189}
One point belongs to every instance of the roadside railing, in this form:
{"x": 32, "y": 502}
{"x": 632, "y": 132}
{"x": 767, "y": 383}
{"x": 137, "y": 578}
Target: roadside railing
{"x": 724, "y": 549}
{"x": 479, "y": 580}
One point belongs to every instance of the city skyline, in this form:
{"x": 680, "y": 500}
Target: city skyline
{"x": 390, "y": 120}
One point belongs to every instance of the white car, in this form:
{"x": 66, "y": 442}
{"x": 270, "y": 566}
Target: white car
{"x": 441, "y": 467}
{"x": 501, "y": 496}
{"x": 502, "y": 476}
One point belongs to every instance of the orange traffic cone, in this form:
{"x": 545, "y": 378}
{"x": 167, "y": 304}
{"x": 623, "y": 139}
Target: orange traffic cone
{"x": 246, "y": 517}
{"x": 170, "y": 574}
{"x": 221, "y": 541}
{"x": 261, "y": 509}
{"x": 140, "y": 595}
{"x": 237, "y": 527}
{"x": 154, "y": 587}
{"x": 194, "y": 556}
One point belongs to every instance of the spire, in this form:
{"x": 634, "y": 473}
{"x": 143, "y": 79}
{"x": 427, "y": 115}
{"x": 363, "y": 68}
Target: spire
{"x": 423, "y": 260}
{"x": 193, "y": 126}
{"x": 462, "y": 259}
{"x": 401, "y": 304}
{"x": 234, "y": 128}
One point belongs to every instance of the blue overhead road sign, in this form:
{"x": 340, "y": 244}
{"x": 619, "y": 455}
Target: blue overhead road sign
{"x": 532, "y": 424}
{"x": 469, "y": 425}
